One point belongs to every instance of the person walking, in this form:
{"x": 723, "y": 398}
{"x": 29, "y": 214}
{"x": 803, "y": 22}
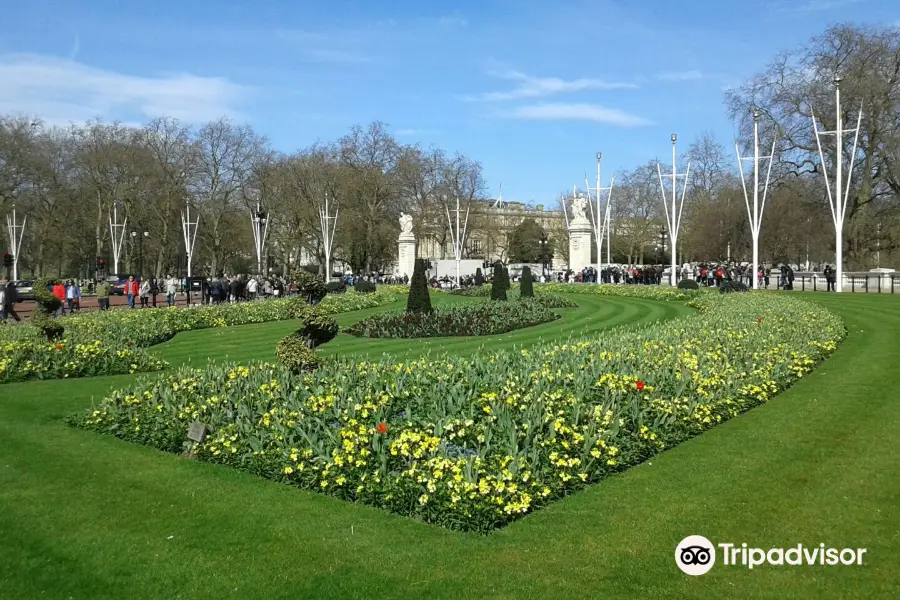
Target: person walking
{"x": 154, "y": 291}
{"x": 8, "y": 301}
{"x": 73, "y": 296}
{"x": 171, "y": 290}
{"x": 59, "y": 290}
{"x": 145, "y": 292}
{"x": 131, "y": 290}
{"x": 103, "y": 294}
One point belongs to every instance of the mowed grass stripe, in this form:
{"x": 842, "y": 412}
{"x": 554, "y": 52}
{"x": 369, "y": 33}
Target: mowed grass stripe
{"x": 245, "y": 343}
{"x": 88, "y": 516}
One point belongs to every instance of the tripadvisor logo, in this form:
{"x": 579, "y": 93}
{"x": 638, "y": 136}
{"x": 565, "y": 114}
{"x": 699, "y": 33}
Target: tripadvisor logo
{"x": 696, "y": 555}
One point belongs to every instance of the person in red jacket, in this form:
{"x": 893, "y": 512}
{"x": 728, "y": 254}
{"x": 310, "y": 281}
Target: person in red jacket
{"x": 131, "y": 290}
{"x": 59, "y": 290}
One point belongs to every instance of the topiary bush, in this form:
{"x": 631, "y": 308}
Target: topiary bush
{"x": 526, "y": 287}
{"x": 728, "y": 287}
{"x": 47, "y": 304}
{"x": 498, "y": 290}
{"x": 364, "y": 286}
{"x": 318, "y": 329}
{"x": 688, "y": 284}
{"x": 294, "y": 353}
{"x": 335, "y": 287}
{"x": 419, "y": 301}
{"x": 309, "y": 286}
{"x": 479, "y": 277}
{"x": 506, "y": 282}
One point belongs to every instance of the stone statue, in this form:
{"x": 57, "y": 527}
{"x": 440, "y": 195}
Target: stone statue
{"x": 579, "y": 204}
{"x": 406, "y": 224}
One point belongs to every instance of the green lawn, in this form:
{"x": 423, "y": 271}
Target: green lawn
{"x": 89, "y": 516}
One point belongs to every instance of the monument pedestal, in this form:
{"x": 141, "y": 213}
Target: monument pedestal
{"x": 406, "y": 254}
{"x": 579, "y": 244}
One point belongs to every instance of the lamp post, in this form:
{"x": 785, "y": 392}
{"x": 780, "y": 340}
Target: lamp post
{"x": 139, "y": 237}
{"x": 545, "y": 245}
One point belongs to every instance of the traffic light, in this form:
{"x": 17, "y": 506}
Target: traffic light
{"x": 7, "y": 260}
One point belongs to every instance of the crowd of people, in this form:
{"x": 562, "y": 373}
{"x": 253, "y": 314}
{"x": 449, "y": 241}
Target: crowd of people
{"x": 239, "y": 288}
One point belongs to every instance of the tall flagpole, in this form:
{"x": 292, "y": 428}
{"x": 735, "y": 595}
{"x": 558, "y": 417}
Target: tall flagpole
{"x": 117, "y": 236}
{"x": 15, "y": 233}
{"x": 189, "y": 229}
{"x": 674, "y": 221}
{"x": 756, "y": 214}
{"x": 838, "y": 201}
{"x": 458, "y": 236}
{"x": 260, "y": 222}
{"x": 328, "y": 224}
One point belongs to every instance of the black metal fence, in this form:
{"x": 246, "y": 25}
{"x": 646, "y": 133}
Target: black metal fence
{"x": 866, "y": 282}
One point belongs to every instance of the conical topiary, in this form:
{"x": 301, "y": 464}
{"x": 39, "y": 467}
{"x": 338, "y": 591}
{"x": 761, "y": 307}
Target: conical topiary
{"x": 419, "y": 301}
{"x": 498, "y": 290}
{"x": 506, "y": 283}
{"x": 479, "y": 277}
{"x": 526, "y": 289}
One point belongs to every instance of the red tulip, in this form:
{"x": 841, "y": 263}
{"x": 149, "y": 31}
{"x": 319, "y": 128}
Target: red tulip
{"x": 639, "y": 385}
{"x": 382, "y": 428}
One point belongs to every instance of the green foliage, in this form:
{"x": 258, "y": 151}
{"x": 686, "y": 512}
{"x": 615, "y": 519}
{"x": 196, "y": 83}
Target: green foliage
{"x": 319, "y": 329}
{"x": 114, "y": 342}
{"x": 525, "y": 243}
{"x": 517, "y": 438}
{"x": 688, "y": 284}
{"x": 526, "y": 286}
{"x": 730, "y": 286}
{"x": 47, "y": 304}
{"x": 498, "y": 289}
{"x": 506, "y": 281}
{"x": 335, "y": 287}
{"x": 478, "y": 318}
{"x": 309, "y": 286}
{"x": 419, "y": 301}
{"x": 294, "y": 353}
{"x": 479, "y": 277}
{"x": 364, "y": 286}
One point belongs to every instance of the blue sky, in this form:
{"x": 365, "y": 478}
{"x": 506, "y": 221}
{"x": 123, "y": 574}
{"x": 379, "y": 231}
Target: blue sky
{"x": 530, "y": 89}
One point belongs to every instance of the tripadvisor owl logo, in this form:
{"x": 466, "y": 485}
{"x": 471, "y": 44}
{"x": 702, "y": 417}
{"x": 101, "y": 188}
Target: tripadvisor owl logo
{"x": 695, "y": 555}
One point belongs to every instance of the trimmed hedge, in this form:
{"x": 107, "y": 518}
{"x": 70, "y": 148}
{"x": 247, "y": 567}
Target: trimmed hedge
{"x": 477, "y": 318}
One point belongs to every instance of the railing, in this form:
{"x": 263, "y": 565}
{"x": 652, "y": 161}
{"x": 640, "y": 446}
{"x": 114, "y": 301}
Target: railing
{"x": 859, "y": 282}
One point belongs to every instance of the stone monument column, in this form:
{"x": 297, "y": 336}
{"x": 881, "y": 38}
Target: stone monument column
{"x": 579, "y": 236}
{"x": 406, "y": 247}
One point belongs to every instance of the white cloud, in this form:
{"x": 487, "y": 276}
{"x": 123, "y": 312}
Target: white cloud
{"x": 537, "y": 87}
{"x": 576, "y": 112}
{"x": 681, "y": 76}
{"x": 61, "y": 90}
{"x": 414, "y": 132}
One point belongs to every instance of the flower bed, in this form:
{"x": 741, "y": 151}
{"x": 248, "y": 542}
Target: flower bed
{"x": 478, "y": 318}
{"x": 113, "y": 342}
{"x": 647, "y": 292}
{"x": 472, "y": 443}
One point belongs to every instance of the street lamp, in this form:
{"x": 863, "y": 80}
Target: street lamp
{"x": 139, "y": 237}
{"x": 545, "y": 244}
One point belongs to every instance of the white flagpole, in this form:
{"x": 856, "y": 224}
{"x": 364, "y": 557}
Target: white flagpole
{"x": 755, "y": 215}
{"x": 838, "y": 201}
